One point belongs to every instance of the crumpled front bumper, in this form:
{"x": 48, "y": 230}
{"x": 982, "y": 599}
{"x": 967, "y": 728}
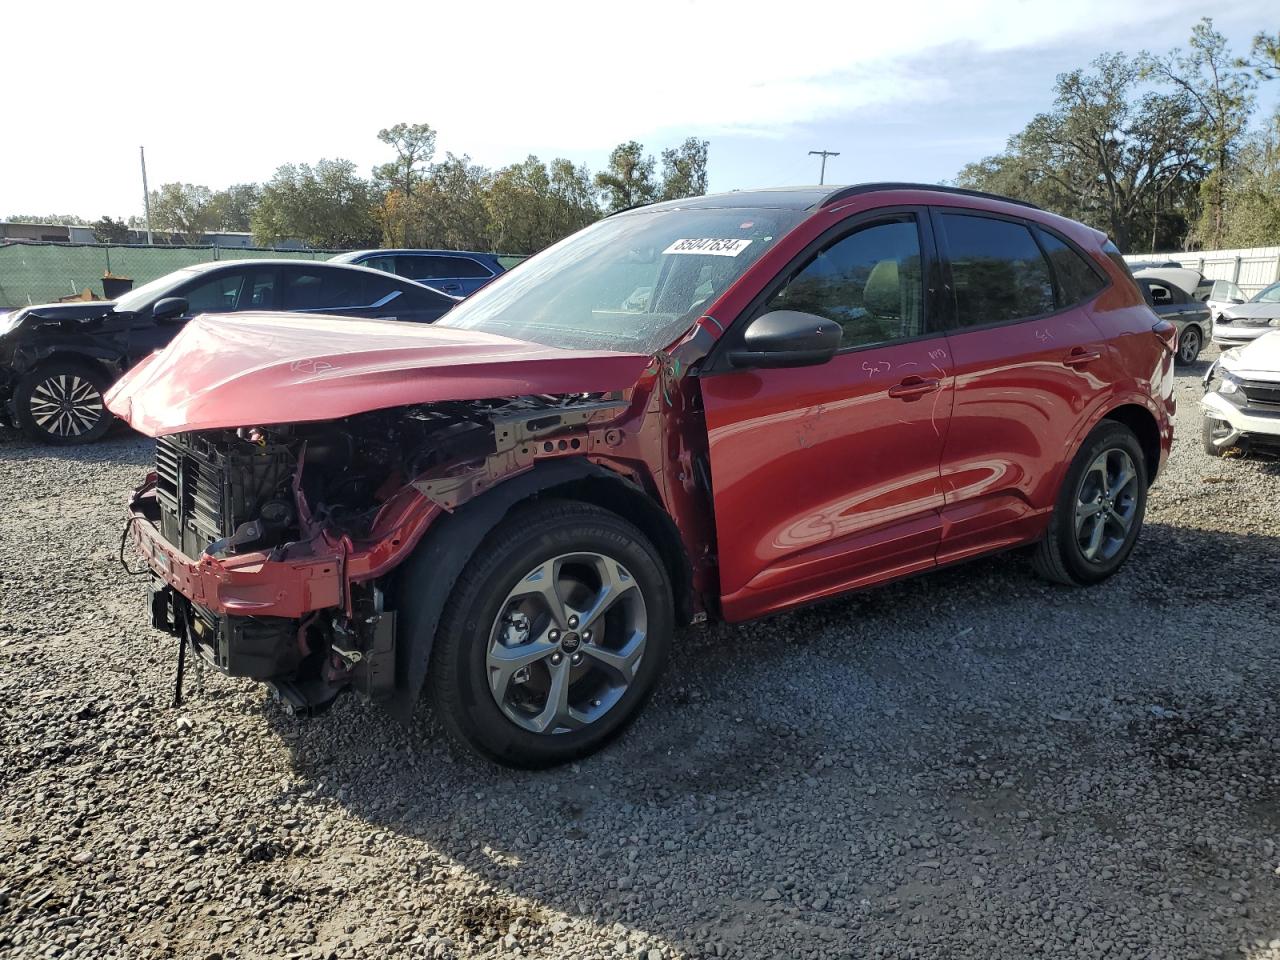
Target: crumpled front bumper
{"x": 307, "y": 578}
{"x": 1243, "y": 421}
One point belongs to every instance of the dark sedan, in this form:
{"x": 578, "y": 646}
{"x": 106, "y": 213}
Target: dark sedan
{"x": 57, "y": 360}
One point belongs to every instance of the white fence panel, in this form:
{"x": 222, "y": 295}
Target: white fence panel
{"x": 1252, "y": 269}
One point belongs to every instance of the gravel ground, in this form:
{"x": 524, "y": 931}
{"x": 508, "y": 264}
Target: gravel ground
{"x": 970, "y": 764}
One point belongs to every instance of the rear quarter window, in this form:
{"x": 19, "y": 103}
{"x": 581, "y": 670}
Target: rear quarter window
{"x": 1076, "y": 280}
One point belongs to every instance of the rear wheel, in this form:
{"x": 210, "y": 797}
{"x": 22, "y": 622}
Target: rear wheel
{"x": 1099, "y": 512}
{"x": 1189, "y": 345}
{"x": 60, "y": 403}
{"x": 554, "y": 636}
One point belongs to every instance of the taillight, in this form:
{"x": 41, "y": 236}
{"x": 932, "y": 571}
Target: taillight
{"x": 1167, "y": 331}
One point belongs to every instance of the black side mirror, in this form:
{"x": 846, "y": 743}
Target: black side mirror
{"x": 169, "y": 308}
{"x": 1237, "y": 300}
{"x": 787, "y": 338}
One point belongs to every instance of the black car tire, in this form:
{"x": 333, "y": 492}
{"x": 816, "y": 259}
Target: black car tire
{"x": 1189, "y": 346}
{"x": 1206, "y": 435}
{"x": 1059, "y": 557}
{"x": 459, "y": 674}
{"x": 82, "y": 386}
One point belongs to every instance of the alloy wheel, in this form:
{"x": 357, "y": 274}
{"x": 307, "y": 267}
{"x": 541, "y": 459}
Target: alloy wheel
{"x": 66, "y": 405}
{"x": 567, "y": 643}
{"x": 1189, "y": 346}
{"x": 1106, "y": 505}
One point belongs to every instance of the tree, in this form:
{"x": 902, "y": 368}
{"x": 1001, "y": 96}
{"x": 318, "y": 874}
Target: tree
{"x": 684, "y": 170}
{"x": 326, "y": 206}
{"x": 184, "y": 208}
{"x": 61, "y": 219}
{"x": 1264, "y": 57}
{"x": 232, "y": 209}
{"x": 1103, "y": 154}
{"x": 1253, "y": 208}
{"x": 531, "y": 207}
{"x": 415, "y": 145}
{"x": 1222, "y": 93}
{"x": 107, "y": 230}
{"x": 628, "y": 180}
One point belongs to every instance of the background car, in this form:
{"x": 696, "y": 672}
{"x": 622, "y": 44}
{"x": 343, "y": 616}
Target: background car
{"x": 1241, "y": 322}
{"x": 1243, "y": 409}
{"x": 57, "y": 360}
{"x": 1177, "y": 304}
{"x": 458, "y": 272}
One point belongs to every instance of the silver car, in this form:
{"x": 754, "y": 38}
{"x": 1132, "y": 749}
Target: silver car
{"x": 1241, "y": 323}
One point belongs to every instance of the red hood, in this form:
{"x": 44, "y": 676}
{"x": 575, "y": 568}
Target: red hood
{"x": 251, "y": 369}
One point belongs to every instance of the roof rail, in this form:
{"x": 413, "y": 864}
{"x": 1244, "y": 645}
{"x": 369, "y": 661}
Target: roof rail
{"x": 860, "y": 188}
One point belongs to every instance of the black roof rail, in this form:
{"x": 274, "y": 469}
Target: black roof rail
{"x": 860, "y": 188}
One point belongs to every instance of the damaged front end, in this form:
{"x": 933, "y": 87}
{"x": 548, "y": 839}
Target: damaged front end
{"x": 271, "y": 548}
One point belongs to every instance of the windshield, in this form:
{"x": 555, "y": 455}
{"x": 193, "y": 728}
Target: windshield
{"x": 1269, "y": 294}
{"x": 144, "y": 295}
{"x": 630, "y": 283}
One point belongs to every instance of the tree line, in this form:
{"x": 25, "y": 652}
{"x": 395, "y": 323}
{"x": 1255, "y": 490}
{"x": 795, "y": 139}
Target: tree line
{"x": 415, "y": 200}
{"x": 1157, "y": 150}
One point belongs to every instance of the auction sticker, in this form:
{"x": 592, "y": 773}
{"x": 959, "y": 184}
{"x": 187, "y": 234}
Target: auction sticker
{"x": 710, "y": 246}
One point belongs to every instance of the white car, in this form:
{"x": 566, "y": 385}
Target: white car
{"x": 1239, "y": 323}
{"x": 1242, "y": 408}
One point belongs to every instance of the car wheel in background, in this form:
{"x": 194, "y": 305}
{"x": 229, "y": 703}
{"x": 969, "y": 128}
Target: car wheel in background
{"x": 1189, "y": 345}
{"x": 60, "y": 403}
{"x": 1211, "y": 430}
{"x": 1099, "y": 512}
{"x": 554, "y": 636}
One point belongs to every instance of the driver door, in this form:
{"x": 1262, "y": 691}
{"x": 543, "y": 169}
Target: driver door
{"x": 827, "y": 478}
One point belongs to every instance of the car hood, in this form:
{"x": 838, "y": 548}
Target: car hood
{"x": 1262, "y": 310}
{"x": 1260, "y": 360}
{"x": 253, "y": 369}
{"x": 73, "y": 310}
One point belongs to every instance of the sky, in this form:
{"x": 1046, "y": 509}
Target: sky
{"x": 225, "y": 92}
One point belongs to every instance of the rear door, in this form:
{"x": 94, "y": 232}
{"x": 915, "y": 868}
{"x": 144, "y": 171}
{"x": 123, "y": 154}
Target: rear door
{"x": 1028, "y": 359}
{"x": 826, "y": 478}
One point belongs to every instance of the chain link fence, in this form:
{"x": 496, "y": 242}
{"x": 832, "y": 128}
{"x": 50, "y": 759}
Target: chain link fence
{"x": 36, "y": 272}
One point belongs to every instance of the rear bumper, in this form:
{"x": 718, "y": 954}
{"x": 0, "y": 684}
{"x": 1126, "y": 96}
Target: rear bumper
{"x": 308, "y": 578}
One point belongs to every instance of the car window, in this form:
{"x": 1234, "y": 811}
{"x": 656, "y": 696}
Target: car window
{"x": 1269, "y": 294}
{"x": 1225, "y": 290}
{"x": 377, "y": 289}
{"x": 312, "y": 289}
{"x": 1158, "y": 293}
{"x": 1076, "y": 280}
{"x": 869, "y": 282}
{"x": 418, "y": 299}
{"x": 259, "y": 292}
{"x": 434, "y": 267}
{"x": 386, "y": 264}
{"x": 219, "y": 295}
{"x": 998, "y": 272}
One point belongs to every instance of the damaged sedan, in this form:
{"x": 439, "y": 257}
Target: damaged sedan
{"x": 721, "y": 407}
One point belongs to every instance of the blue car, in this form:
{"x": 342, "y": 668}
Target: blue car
{"x": 456, "y": 272}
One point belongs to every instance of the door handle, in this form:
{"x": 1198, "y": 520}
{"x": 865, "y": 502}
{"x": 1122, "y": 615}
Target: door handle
{"x": 913, "y": 387}
{"x": 1079, "y": 357}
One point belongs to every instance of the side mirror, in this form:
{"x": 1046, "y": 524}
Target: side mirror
{"x": 1237, "y": 300}
{"x": 787, "y": 338}
{"x": 169, "y": 308}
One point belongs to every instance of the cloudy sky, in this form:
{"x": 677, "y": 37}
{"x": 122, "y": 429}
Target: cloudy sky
{"x": 225, "y": 92}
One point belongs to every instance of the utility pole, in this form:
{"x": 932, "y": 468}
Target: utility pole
{"x": 146, "y": 194}
{"x": 822, "y": 177}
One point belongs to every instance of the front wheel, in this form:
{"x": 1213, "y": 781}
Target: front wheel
{"x": 1189, "y": 346}
{"x": 554, "y": 636}
{"x": 1099, "y": 512}
{"x": 60, "y": 403}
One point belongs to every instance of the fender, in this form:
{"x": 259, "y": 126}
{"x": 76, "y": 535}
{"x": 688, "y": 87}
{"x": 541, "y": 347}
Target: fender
{"x": 443, "y": 553}
{"x": 29, "y": 356}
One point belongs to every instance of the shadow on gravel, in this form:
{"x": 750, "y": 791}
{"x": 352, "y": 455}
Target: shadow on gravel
{"x": 911, "y": 761}
{"x": 120, "y": 445}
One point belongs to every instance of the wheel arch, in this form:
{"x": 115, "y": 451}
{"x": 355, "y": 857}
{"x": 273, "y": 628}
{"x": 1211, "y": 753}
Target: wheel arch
{"x": 109, "y": 367}
{"x": 1143, "y": 424}
{"x": 449, "y": 544}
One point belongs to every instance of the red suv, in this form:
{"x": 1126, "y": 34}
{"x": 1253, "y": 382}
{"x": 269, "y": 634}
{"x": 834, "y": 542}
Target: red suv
{"x": 721, "y": 407}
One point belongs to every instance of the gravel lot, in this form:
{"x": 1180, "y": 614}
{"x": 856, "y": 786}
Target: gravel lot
{"x": 972, "y": 763}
